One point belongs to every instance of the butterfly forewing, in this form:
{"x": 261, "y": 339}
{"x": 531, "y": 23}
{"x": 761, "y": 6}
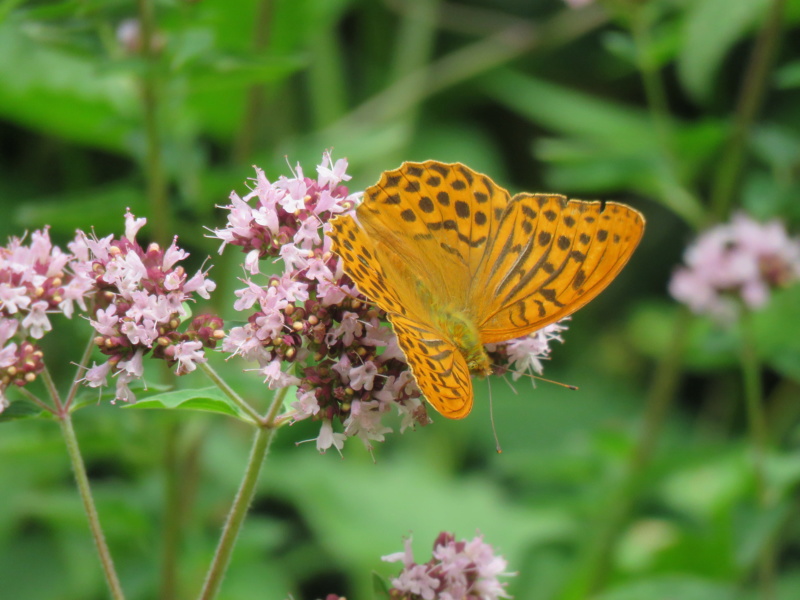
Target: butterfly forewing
{"x": 550, "y": 257}
{"x": 439, "y": 218}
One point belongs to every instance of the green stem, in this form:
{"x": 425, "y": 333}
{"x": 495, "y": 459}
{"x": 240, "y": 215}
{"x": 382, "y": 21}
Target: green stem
{"x": 173, "y": 513}
{"x": 156, "y": 181}
{"x": 35, "y": 399}
{"x": 47, "y": 378}
{"x": 754, "y": 400}
{"x": 73, "y": 389}
{"x": 751, "y": 375}
{"x": 233, "y": 524}
{"x": 251, "y": 125}
{"x": 750, "y": 100}
{"x": 674, "y": 193}
{"x": 230, "y": 392}
{"x": 84, "y": 489}
{"x": 598, "y": 551}
{"x": 463, "y": 64}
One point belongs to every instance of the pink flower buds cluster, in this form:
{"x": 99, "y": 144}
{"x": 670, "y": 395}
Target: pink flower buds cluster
{"x": 307, "y": 326}
{"x": 36, "y": 281}
{"x": 140, "y": 305}
{"x": 457, "y": 571}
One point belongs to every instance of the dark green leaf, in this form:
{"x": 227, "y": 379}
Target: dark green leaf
{"x": 209, "y": 399}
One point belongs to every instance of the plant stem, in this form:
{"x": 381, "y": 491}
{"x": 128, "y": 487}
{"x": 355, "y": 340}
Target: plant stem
{"x": 750, "y": 100}
{"x": 251, "y": 125}
{"x": 264, "y": 435}
{"x": 52, "y": 389}
{"x": 156, "y": 181}
{"x": 173, "y": 512}
{"x": 230, "y": 392}
{"x": 35, "y": 399}
{"x": 751, "y": 375}
{"x": 674, "y": 193}
{"x": 463, "y": 64}
{"x": 73, "y": 389}
{"x": 82, "y": 481}
{"x": 612, "y": 516}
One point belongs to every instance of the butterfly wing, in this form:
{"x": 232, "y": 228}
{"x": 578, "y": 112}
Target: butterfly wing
{"x": 549, "y": 258}
{"x": 439, "y": 369}
{"x": 361, "y": 263}
{"x": 438, "y": 220}
{"x": 422, "y": 231}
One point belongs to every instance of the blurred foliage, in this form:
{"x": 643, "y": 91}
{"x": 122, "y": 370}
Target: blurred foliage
{"x": 632, "y": 100}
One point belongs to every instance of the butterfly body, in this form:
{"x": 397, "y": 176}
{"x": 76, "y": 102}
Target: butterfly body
{"x": 460, "y": 329}
{"x": 457, "y": 263}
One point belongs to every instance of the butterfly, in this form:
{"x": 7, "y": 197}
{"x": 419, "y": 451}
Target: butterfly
{"x": 456, "y": 263}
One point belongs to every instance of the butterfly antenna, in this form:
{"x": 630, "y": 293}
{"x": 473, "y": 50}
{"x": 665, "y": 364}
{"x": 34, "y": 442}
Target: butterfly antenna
{"x": 491, "y": 418}
{"x": 566, "y": 385}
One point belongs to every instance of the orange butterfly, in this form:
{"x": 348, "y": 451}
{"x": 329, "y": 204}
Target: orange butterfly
{"x": 457, "y": 263}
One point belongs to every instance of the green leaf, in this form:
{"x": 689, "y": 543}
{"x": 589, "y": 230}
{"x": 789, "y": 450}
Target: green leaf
{"x": 62, "y": 93}
{"x": 685, "y": 588}
{"x": 380, "y": 587}
{"x": 210, "y": 399}
{"x": 607, "y": 146}
{"x": 788, "y": 75}
{"x": 573, "y": 113}
{"x": 708, "y": 37}
{"x": 709, "y": 346}
{"x": 102, "y": 208}
{"x": 776, "y": 338}
{"x": 23, "y": 409}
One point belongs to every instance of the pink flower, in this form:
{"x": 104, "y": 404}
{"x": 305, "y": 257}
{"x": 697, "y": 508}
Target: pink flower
{"x": 734, "y": 265}
{"x": 457, "y": 571}
{"x": 142, "y": 305}
{"x": 306, "y": 326}
{"x": 37, "y": 280}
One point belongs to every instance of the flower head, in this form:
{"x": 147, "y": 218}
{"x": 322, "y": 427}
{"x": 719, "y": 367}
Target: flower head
{"x": 526, "y": 353}
{"x": 457, "y": 571}
{"x": 307, "y": 325}
{"x": 736, "y": 264}
{"x": 140, "y": 306}
{"x": 37, "y": 280}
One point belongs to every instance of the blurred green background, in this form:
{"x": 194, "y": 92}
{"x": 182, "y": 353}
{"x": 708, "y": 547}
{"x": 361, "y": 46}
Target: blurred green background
{"x": 640, "y": 486}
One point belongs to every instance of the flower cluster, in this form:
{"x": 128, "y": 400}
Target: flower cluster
{"x": 736, "y": 264}
{"x": 457, "y": 571}
{"x": 36, "y": 280}
{"x": 308, "y": 327}
{"x": 140, "y": 305}
{"x": 521, "y": 355}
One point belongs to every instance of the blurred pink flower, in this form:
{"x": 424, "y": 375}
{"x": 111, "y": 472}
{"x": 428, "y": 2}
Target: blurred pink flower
{"x": 736, "y": 264}
{"x": 457, "y": 571}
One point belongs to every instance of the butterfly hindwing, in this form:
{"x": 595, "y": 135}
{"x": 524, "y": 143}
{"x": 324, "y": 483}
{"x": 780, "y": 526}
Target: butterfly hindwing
{"x": 551, "y": 256}
{"x": 438, "y": 367}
